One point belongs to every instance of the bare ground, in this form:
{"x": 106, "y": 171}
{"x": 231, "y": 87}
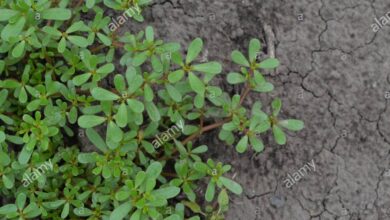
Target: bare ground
{"x": 334, "y": 76}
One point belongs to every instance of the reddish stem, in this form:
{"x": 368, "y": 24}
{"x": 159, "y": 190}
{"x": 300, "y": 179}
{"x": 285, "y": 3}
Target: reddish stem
{"x": 204, "y": 129}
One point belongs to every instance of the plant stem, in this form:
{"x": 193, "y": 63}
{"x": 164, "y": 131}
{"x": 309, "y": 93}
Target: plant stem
{"x": 118, "y": 44}
{"x": 215, "y": 125}
{"x": 220, "y": 123}
{"x": 245, "y": 93}
{"x": 167, "y": 174}
{"x": 247, "y": 89}
{"x": 98, "y": 48}
{"x": 204, "y": 129}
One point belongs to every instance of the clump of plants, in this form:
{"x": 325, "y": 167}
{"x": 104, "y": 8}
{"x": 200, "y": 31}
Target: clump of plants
{"x": 61, "y": 84}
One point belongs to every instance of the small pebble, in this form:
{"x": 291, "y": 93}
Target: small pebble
{"x": 277, "y": 201}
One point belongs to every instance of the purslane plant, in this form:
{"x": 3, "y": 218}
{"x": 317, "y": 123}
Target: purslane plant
{"x": 60, "y": 86}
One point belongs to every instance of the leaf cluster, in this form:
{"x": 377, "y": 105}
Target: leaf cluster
{"x": 62, "y": 83}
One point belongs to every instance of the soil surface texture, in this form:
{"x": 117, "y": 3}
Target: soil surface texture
{"x": 334, "y": 75}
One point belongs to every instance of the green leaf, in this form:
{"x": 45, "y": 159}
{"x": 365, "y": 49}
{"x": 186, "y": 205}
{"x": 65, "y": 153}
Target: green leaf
{"x": 279, "y": 135}
{"x": 270, "y": 63}
{"x": 105, "y": 69}
{"x": 6, "y": 14}
{"x": 24, "y": 155}
{"x": 61, "y": 45}
{"x": 196, "y": 84}
{"x": 139, "y": 59}
{"x": 177, "y": 58}
{"x": 201, "y": 167}
{"x": 7, "y": 120}
{"x": 13, "y": 29}
{"x": 103, "y": 94}
{"x": 235, "y": 78}
{"x": 106, "y": 173}
{"x": 8, "y": 182}
{"x": 52, "y": 31}
{"x": 65, "y": 210}
{"x": 19, "y": 49}
{"x": 81, "y": 79}
{"x": 83, "y": 212}
{"x": 173, "y": 93}
{"x": 259, "y": 78}
{"x": 90, "y": 3}
{"x": 156, "y": 64}
{"x": 264, "y": 87}
{"x": 254, "y": 48}
{"x": 199, "y": 101}
{"x": 167, "y": 192}
{"x": 223, "y": 198}
{"x": 136, "y": 215}
{"x": 193, "y": 206}
{"x": 119, "y": 82}
{"x": 2, "y": 137}
{"x": 10, "y": 84}
{"x": 121, "y": 211}
{"x": 231, "y": 185}
{"x": 73, "y": 115}
{"x": 256, "y": 144}
{"x": 2, "y": 66}
{"x": 148, "y": 93}
{"x": 239, "y": 58}
{"x": 134, "y": 80}
{"x": 78, "y": 41}
{"x": 152, "y": 111}
{"x": 54, "y": 204}
{"x": 96, "y": 139}
{"x": 3, "y": 96}
{"x": 79, "y": 25}
{"x": 194, "y": 49}
{"x": 292, "y": 124}
{"x": 20, "y": 200}
{"x": 121, "y": 115}
{"x": 180, "y": 147}
{"x": 173, "y": 217}
{"x": 89, "y": 121}
{"x": 242, "y": 144}
{"x": 139, "y": 178}
{"x": 200, "y": 149}
{"x": 33, "y": 105}
{"x": 122, "y": 195}
{"x": 263, "y": 126}
{"x": 105, "y": 40}
{"x": 4, "y": 158}
{"x": 154, "y": 170}
{"x": 86, "y": 158}
{"x": 32, "y": 210}
{"x": 149, "y": 34}
{"x": 210, "y": 191}
{"x": 60, "y": 14}
{"x": 211, "y": 67}
{"x": 175, "y": 76}
{"x": 135, "y": 105}
{"x": 171, "y": 47}
{"x": 9, "y": 208}
{"x": 114, "y": 133}
{"x": 276, "y": 106}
